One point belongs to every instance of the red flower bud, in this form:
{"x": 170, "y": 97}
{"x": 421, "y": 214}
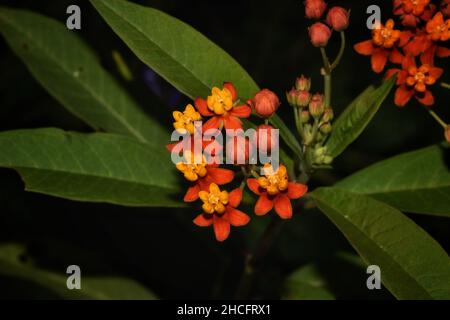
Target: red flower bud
{"x": 264, "y": 138}
{"x": 317, "y": 105}
{"x": 265, "y": 103}
{"x": 445, "y": 7}
{"x": 447, "y": 133}
{"x": 314, "y": 9}
{"x": 319, "y": 34}
{"x": 338, "y": 18}
{"x": 303, "y": 83}
{"x": 298, "y": 98}
{"x": 240, "y": 147}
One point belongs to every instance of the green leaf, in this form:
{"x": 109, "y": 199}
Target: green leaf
{"x": 413, "y": 265}
{"x": 355, "y": 118}
{"x": 71, "y": 72}
{"x": 180, "y": 54}
{"x": 306, "y": 284}
{"x": 286, "y": 134}
{"x": 91, "y": 167}
{"x": 99, "y": 288}
{"x": 417, "y": 181}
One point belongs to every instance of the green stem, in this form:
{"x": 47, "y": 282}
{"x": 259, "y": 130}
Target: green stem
{"x": 341, "y": 52}
{"x": 298, "y": 123}
{"x": 438, "y": 119}
{"x": 252, "y": 262}
{"x": 327, "y": 77}
{"x": 445, "y": 85}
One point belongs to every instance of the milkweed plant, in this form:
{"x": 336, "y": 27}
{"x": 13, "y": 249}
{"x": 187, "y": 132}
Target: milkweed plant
{"x": 232, "y": 154}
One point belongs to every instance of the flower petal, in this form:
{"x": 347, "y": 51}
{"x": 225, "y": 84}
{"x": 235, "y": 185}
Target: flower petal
{"x": 221, "y": 228}
{"x": 213, "y": 123}
{"x": 283, "y": 206}
{"x": 253, "y": 185}
{"x": 202, "y": 107}
{"x": 443, "y": 52}
{"x": 232, "y": 123}
{"x": 396, "y": 56}
{"x": 296, "y": 190}
{"x": 427, "y": 99}
{"x": 235, "y": 197}
{"x": 192, "y": 193}
{"x": 403, "y": 95}
{"x": 263, "y": 205}
{"x": 379, "y": 60}
{"x": 220, "y": 176}
{"x": 365, "y": 48}
{"x": 203, "y": 221}
{"x": 229, "y": 86}
{"x": 428, "y": 56}
{"x": 243, "y": 111}
{"x": 436, "y": 72}
{"x": 237, "y": 218}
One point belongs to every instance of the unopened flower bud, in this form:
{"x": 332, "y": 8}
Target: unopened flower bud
{"x": 298, "y": 98}
{"x": 327, "y": 160}
{"x": 317, "y": 105}
{"x": 338, "y": 18}
{"x": 447, "y": 133}
{"x": 264, "y": 138}
{"x": 303, "y": 83}
{"x": 328, "y": 115}
{"x": 314, "y": 9}
{"x": 326, "y": 128}
{"x": 319, "y": 34}
{"x": 321, "y": 151}
{"x": 304, "y": 116}
{"x": 445, "y": 7}
{"x": 265, "y": 103}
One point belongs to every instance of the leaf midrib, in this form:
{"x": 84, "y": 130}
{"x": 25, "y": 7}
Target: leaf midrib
{"x": 140, "y": 31}
{"x": 361, "y": 231}
{"x": 42, "y": 48}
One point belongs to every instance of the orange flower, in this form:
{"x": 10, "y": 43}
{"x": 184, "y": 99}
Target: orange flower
{"x": 438, "y": 29}
{"x": 274, "y": 190}
{"x": 222, "y": 106}
{"x": 413, "y": 11}
{"x": 219, "y": 210}
{"x": 201, "y": 175}
{"x": 414, "y": 81}
{"x": 382, "y": 45}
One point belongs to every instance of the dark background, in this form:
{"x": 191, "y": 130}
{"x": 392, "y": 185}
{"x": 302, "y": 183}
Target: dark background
{"x": 160, "y": 248}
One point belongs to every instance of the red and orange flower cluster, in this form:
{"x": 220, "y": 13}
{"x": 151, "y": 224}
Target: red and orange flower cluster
{"x": 414, "y": 49}
{"x": 223, "y": 110}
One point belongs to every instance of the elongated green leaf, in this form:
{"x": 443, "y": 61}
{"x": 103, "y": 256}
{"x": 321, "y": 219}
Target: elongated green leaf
{"x": 306, "y": 284}
{"x": 413, "y": 265}
{"x": 91, "y": 167}
{"x": 286, "y": 134}
{"x": 351, "y": 123}
{"x": 98, "y": 288}
{"x": 68, "y": 69}
{"x": 184, "y": 57}
{"x": 417, "y": 181}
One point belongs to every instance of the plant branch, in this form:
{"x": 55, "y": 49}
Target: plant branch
{"x": 445, "y": 85}
{"x": 341, "y": 52}
{"x": 438, "y": 119}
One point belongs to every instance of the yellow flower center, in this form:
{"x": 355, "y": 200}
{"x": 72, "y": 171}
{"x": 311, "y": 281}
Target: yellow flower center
{"x": 386, "y": 36}
{"x": 274, "y": 182}
{"x": 192, "y": 170}
{"x": 184, "y": 121}
{"x": 220, "y": 101}
{"x": 214, "y": 200}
